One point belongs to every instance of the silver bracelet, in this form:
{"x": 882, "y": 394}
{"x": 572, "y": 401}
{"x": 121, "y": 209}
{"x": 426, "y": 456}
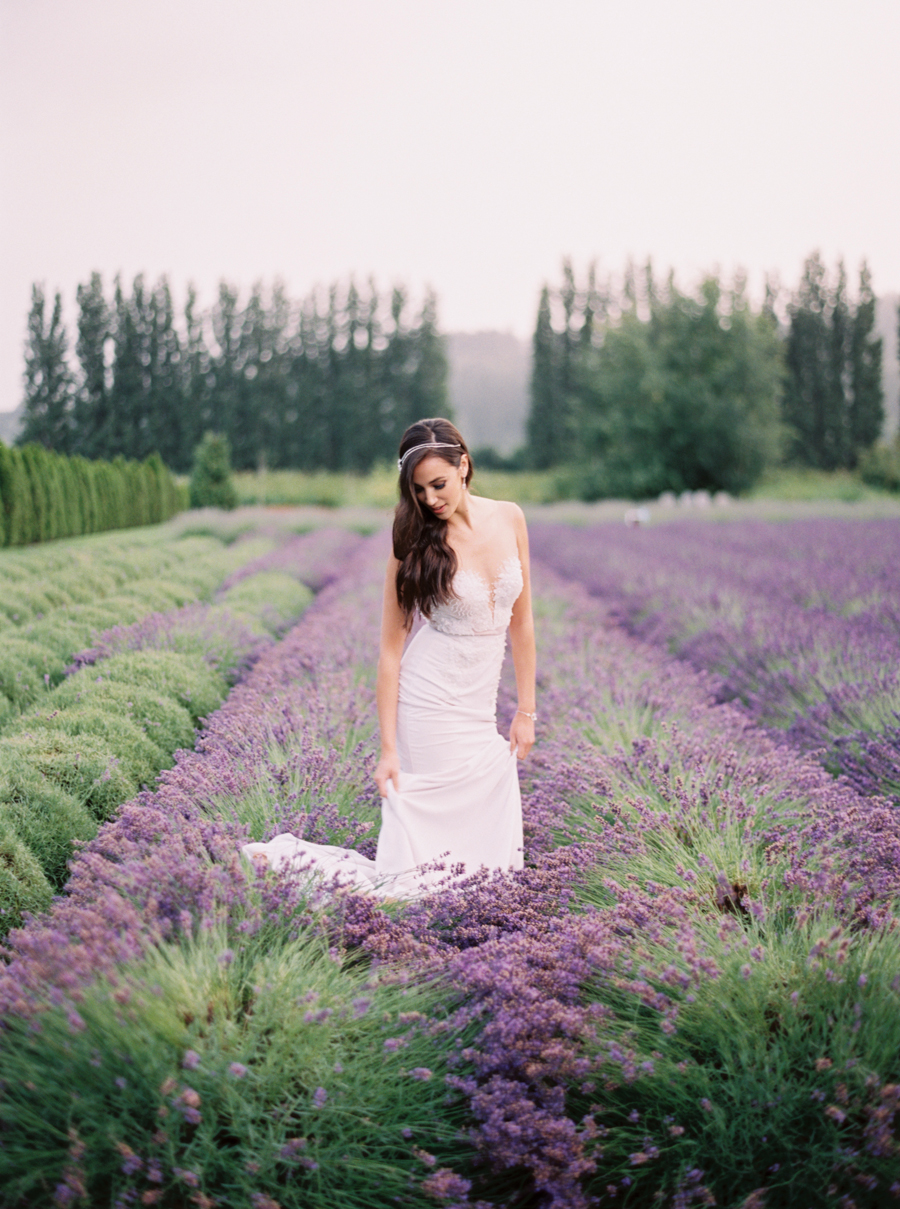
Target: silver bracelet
{"x": 533, "y": 717}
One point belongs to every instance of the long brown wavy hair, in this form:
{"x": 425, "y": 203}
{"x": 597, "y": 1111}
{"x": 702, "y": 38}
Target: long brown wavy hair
{"x": 427, "y": 562}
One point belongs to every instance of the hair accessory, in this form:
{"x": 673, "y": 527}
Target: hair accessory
{"x": 428, "y": 445}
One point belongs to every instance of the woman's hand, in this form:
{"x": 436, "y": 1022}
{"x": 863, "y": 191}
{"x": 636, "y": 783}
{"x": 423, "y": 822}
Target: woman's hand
{"x": 521, "y": 736}
{"x": 387, "y": 769}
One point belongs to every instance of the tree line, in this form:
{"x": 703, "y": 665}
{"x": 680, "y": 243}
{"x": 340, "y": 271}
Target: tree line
{"x": 45, "y": 495}
{"x": 646, "y": 388}
{"x": 327, "y": 382}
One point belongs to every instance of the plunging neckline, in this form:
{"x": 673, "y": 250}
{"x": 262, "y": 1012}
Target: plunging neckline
{"x": 491, "y": 584}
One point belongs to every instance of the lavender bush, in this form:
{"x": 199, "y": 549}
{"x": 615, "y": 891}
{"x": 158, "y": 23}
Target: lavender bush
{"x": 129, "y": 704}
{"x": 52, "y": 612}
{"x": 799, "y": 620}
{"x": 688, "y": 996}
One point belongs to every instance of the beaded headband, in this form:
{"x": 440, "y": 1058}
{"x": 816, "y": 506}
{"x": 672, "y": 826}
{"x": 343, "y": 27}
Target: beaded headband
{"x": 427, "y": 445}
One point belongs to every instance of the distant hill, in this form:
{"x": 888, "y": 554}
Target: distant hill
{"x": 488, "y": 385}
{"x": 886, "y": 322}
{"x": 10, "y": 423}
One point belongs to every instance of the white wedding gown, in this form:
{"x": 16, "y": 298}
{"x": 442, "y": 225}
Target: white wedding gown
{"x": 458, "y": 799}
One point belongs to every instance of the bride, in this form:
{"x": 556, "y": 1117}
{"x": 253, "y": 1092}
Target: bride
{"x": 448, "y": 780}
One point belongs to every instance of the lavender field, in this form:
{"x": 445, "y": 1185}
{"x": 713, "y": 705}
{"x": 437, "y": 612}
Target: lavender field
{"x": 689, "y": 996}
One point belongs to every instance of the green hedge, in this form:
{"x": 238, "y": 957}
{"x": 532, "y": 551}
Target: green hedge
{"x": 45, "y": 495}
{"x": 880, "y": 466}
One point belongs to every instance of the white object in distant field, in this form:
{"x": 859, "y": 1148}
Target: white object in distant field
{"x": 637, "y": 516}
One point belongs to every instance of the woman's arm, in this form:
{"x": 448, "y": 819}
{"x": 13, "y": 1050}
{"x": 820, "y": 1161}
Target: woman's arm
{"x": 521, "y": 637}
{"x": 387, "y": 684}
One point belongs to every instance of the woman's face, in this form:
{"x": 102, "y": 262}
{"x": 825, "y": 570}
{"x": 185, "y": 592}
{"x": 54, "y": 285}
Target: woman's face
{"x": 439, "y": 485}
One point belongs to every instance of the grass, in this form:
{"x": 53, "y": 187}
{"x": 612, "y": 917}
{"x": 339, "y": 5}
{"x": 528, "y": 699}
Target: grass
{"x": 804, "y": 483}
{"x": 379, "y": 488}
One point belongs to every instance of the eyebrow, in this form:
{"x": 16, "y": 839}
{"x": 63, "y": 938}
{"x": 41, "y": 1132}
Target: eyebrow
{"x": 430, "y": 481}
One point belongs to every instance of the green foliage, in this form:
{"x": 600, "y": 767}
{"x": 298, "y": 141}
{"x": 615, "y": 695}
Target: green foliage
{"x": 23, "y": 886}
{"x": 141, "y": 758}
{"x": 83, "y": 766}
{"x": 109, "y": 729}
{"x": 211, "y": 485}
{"x": 654, "y": 390}
{"x": 377, "y": 489}
{"x": 159, "y": 716}
{"x": 271, "y": 597}
{"x": 184, "y": 678}
{"x": 833, "y": 401}
{"x": 330, "y": 382}
{"x": 686, "y": 399}
{"x": 23, "y": 668}
{"x": 48, "y": 379}
{"x": 42, "y": 815}
{"x": 256, "y": 1046}
{"x": 879, "y": 466}
{"x": 45, "y": 495}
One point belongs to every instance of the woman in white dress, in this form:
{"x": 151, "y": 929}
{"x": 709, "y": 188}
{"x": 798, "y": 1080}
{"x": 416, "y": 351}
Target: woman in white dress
{"x": 448, "y": 779}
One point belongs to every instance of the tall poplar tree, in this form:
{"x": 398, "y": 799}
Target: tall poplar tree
{"x": 544, "y": 397}
{"x": 48, "y": 378}
{"x": 164, "y": 399}
{"x": 91, "y": 413}
{"x": 866, "y": 410}
{"x": 428, "y": 393}
{"x": 809, "y": 366}
{"x": 127, "y": 431}
{"x": 197, "y": 380}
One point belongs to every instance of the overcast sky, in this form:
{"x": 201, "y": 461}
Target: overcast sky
{"x": 467, "y": 144}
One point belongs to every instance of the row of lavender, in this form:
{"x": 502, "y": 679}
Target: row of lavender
{"x": 130, "y": 702}
{"x": 689, "y": 995}
{"x": 799, "y": 620}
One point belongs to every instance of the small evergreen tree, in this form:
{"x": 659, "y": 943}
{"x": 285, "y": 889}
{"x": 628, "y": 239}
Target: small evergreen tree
{"x": 211, "y": 483}
{"x": 48, "y": 379}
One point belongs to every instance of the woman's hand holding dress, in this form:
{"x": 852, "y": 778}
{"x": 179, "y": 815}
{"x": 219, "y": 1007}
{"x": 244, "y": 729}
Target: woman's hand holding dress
{"x": 387, "y": 769}
{"x": 521, "y": 736}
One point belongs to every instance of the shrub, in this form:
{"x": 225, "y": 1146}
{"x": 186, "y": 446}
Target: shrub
{"x": 82, "y": 765}
{"x": 236, "y": 1024}
{"x": 211, "y": 484}
{"x": 23, "y": 666}
{"x": 23, "y": 886}
{"x": 880, "y": 466}
{"x": 272, "y": 597}
{"x": 44, "y": 817}
{"x": 45, "y": 495}
{"x": 166, "y": 722}
{"x": 141, "y": 758}
{"x": 185, "y": 678}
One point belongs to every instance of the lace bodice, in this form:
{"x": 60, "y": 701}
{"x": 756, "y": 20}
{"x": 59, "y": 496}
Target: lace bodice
{"x": 480, "y": 607}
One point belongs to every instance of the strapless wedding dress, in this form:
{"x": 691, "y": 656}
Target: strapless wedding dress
{"x": 458, "y": 799}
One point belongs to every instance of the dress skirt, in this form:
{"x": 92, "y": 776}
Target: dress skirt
{"x": 458, "y": 801}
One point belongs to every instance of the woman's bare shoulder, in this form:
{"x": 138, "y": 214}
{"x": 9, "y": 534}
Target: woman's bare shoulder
{"x": 513, "y": 513}
{"x": 504, "y": 507}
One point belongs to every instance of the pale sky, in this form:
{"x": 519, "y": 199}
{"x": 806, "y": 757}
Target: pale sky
{"x": 468, "y": 145}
